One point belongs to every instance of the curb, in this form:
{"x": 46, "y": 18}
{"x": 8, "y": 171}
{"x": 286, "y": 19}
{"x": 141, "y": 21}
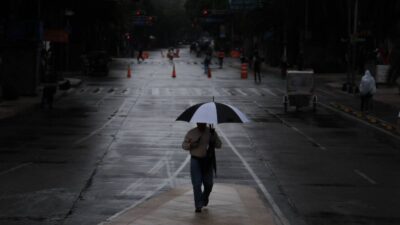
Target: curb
{"x": 366, "y": 119}
{"x": 10, "y": 109}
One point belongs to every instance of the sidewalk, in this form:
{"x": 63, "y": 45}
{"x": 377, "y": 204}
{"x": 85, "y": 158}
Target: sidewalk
{"x": 11, "y": 108}
{"x": 229, "y": 205}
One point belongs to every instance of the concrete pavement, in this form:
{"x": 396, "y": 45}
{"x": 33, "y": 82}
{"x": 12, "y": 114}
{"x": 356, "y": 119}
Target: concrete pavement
{"x": 229, "y": 205}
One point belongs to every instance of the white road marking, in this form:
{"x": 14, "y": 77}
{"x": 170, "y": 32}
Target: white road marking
{"x": 150, "y": 193}
{"x": 312, "y": 140}
{"x": 326, "y": 92}
{"x": 263, "y": 189}
{"x": 126, "y": 91}
{"x": 104, "y": 125}
{"x": 97, "y": 90}
{"x": 363, "y": 175}
{"x": 240, "y": 91}
{"x": 226, "y": 91}
{"x": 255, "y": 91}
{"x": 15, "y": 168}
{"x": 280, "y": 91}
{"x": 269, "y": 92}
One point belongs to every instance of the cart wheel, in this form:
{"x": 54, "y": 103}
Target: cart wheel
{"x": 314, "y": 102}
{"x": 285, "y": 103}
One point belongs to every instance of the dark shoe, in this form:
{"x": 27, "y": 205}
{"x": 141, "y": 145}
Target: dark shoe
{"x": 205, "y": 202}
{"x": 198, "y": 210}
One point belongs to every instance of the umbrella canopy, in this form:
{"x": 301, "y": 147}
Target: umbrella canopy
{"x": 213, "y": 113}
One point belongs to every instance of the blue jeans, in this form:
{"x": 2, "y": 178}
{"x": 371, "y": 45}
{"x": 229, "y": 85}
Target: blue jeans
{"x": 201, "y": 175}
{"x": 206, "y": 66}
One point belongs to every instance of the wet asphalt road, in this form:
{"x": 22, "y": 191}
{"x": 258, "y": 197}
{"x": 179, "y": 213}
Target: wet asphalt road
{"x": 112, "y": 143}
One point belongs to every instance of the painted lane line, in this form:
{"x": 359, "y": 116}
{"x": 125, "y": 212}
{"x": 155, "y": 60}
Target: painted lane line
{"x": 268, "y": 196}
{"x": 105, "y": 124}
{"x": 256, "y": 92}
{"x": 169, "y": 174}
{"x": 133, "y": 186}
{"x": 150, "y": 193}
{"x": 15, "y": 168}
{"x": 326, "y": 92}
{"x": 363, "y": 175}
{"x": 310, "y": 139}
{"x": 240, "y": 91}
{"x": 226, "y": 91}
{"x": 269, "y": 92}
{"x": 127, "y": 91}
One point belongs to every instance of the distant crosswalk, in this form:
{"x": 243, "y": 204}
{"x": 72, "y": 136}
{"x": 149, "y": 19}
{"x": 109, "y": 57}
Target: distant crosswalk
{"x": 166, "y": 62}
{"x": 176, "y": 91}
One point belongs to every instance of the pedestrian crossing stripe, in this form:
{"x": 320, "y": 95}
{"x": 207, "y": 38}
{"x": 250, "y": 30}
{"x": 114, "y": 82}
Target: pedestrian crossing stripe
{"x": 123, "y": 91}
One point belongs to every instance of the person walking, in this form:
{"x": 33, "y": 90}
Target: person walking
{"x": 200, "y": 142}
{"x": 170, "y": 55}
{"x": 221, "y": 55}
{"x": 207, "y": 61}
{"x": 367, "y": 90}
{"x": 140, "y": 54}
{"x": 257, "y": 67}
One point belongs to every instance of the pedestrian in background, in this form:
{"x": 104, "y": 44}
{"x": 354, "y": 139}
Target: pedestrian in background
{"x": 198, "y": 142}
{"x": 207, "y": 61}
{"x": 257, "y": 60}
{"x": 170, "y": 54}
{"x": 221, "y": 55}
{"x": 49, "y": 78}
{"x": 367, "y": 90}
{"x": 140, "y": 54}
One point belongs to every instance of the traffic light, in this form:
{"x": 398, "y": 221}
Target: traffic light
{"x": 205, "y": 12}
{"x": 138, "y": 12}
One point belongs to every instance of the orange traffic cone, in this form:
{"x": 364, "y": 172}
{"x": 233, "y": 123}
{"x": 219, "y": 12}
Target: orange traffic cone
{"x": 173, "y": 71}
{"x": 129, "y": 71}
{"x": 209, "y": 73}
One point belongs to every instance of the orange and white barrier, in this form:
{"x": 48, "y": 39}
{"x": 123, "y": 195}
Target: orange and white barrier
{"x": 244, "y": 71}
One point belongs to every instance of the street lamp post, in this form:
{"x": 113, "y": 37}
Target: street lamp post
{"x": 68, "y": 14}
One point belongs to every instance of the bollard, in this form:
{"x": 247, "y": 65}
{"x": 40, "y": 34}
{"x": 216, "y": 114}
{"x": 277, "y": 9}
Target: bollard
{"x": 398, "y": 123}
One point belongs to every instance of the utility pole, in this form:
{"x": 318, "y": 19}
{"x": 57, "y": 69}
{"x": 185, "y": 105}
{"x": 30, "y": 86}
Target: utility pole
{"x": 38, "y": 45}
{"x": 351, "y": 46}
{"x": 354, "y": 42}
